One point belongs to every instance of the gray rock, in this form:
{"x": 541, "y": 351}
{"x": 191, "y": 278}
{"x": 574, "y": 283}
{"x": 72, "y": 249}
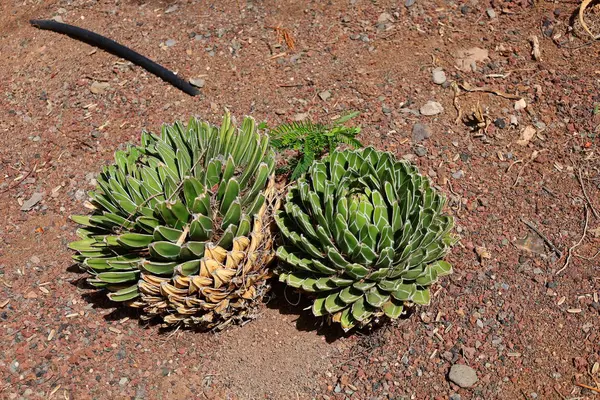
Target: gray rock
{"x": 99, "y": 87}
{"x": 324, "y": 95}
{"x": 171, "y": 9}
{"x": 420, "y": 132}
{"x": 123, "y": 381}
{"x": 80, "y": 194}
{"x": 431, "y": 108}
{"x": 58, "y": 18}
{"x": 439, "y": 76}
{"x": 455, "y": 396}
{"x": 491, "y": 13}
{"x": 463, "y": 375}
{"x": 170, "y": 42}
{"x": 198, "y": 82}
{"x": 14, "y": 367}
{"x": 421, "y": 151}
{"x": 33, "y": 200}
{"x": 409, "y": 3}
{"x": 458, "y": 174}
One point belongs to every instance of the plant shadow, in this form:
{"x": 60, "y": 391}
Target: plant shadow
{"x": 289, "y": 302}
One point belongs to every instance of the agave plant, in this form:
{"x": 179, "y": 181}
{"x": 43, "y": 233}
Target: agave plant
{"x": 364, "y": 234}
{"x": 180, "y": 225}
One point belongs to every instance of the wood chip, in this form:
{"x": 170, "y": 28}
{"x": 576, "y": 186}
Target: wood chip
{"x": 535, "y": 51}
{"x": 595, "y": 368}
{"x": 73, "y": 315}
{"x": 44, "y": 290}
{"x": 513, "y": 354}
{"x": 4, "y": 303}
{"x": 561, "y": 300}
{"x": 53, "y": 392}
{"x": 51, "y": 335}
{"x": 114, "y": 330}
{"x": 574, "y": 310}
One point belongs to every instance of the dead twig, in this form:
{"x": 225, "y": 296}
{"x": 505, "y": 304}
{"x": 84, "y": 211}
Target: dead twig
{"x": 284, "y": 35}
{"x": 455, "y": 101}
{"x": 593, "y": 389}
{"x": 586, "y": 195}
{"x": 582, "y": 7}
{"x": 548, "y": 242}
{"x": 587, "y": 258}
{"x": 467, "y": 87}
{"x": 20, "y": 180}
{"x": 572, "y": 248}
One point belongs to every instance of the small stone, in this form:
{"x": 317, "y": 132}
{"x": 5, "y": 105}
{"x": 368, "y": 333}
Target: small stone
{"x": 80, "y": 194}
{"x": 61, "y": 11}
{"x": 463, "y": 375}
{"x": 300, "y": 117}
{"x": 123, "y": 381}
{"x": 170, "y": 42}
{"x": 500, "y": 123}
{"x": 33, "y": 200}
{"x": 520, "y": 104}
{"x": 325, "y": 95}
{"x": 384, "y": 17}
{"x": 455, "y": 396}
{"x": 431, "y": 108}
{"x": 458, "y": 174}
{"x": 420, "y": 132}
{"x": 409, "y": 3}
{"x": 491, "y": 13}
{"x": 171, "y": 9}
{"x": 421, "y": 151}
{"x": 35, "y": 260}
{"x": 58, "y": 18}
{"x": 439, "y": 76}
{"x": 199, "y": 83}
{"x": 513, "y": 120}
{"x": 465, "y": 9}
{"x": 96, "y": 134}
{"x": 538, "y": 271}
{"x": 14, "y": 367}
{"x": 338, "y": 388}
{"x": 557, "y": 12}
{"x": 99, "y": 87}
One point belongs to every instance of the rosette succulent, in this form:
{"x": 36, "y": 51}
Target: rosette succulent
{"x": 181, "y": 224}
{"x": 365, "y": 235}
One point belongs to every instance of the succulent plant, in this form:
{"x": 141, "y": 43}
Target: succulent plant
{"x": 365, "y": 235}
{"x": 181, "y": 224}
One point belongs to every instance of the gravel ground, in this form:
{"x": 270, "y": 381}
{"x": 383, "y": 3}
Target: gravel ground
{"x": 519, "y": 318}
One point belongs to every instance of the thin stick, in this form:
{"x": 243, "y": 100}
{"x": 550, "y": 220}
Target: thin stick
{"x": 548, "y": 242}
{"x": 570, "y": 252}
{"x": 585, "y": 194}
{"x": 587, "y": 258}
{"x": 593, "y": 389}
{"x": 21, "y": 180}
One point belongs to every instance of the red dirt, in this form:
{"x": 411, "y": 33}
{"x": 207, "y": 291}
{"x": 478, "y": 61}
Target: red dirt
{"x": 527, "y": 332}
